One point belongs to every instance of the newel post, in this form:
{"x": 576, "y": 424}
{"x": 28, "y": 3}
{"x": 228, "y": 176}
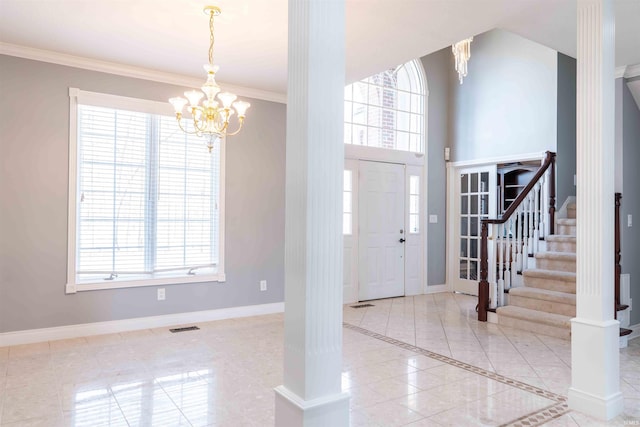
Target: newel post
{"x": 483, "y": 288}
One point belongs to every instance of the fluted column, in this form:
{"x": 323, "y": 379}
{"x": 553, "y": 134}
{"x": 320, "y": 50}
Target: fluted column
{"x": 311, "y": 394}
{"x": 595, "y": 383}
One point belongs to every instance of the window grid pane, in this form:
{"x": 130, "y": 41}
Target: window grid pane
{"x": 347, "y": 199}
{"x": 386, "y": 110}
{"x": 414, "y": 204}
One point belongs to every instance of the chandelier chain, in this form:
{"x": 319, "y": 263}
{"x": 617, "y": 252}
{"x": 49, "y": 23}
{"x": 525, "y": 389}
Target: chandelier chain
{"x": 211, "y": 39}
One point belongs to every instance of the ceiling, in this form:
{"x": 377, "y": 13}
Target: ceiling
{"x": 171, "y": 36}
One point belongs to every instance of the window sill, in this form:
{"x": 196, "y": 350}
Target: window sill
{"x": 72, "y": 288}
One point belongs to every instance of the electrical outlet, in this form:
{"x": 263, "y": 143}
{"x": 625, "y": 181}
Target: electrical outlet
{"x": 263, "y": 285}
{"x": 629, "y": 220}
{"x": 161, "y": 294}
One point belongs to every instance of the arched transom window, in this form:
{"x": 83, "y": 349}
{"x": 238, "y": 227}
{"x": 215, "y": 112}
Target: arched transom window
{"x": 386, "y": 110}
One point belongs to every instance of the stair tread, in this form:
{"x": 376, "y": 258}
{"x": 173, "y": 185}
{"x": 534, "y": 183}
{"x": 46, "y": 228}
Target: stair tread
{"x": 544, "y": 294}
{"x": 560, "y": 238}
{"x": 563, "y": 256}
{"x": 551, "y": 319}
{"x": 566, "y": 276}
{"x": 566, "y": 221}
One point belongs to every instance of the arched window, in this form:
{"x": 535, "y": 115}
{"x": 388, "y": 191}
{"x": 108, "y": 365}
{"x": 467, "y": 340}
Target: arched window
{"x": 386, "y": 110}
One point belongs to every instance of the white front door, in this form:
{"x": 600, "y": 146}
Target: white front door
{"x": 382, "y": 230}
{"x": 475, "y": 200}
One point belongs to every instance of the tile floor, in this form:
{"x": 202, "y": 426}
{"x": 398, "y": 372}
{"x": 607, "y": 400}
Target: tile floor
{"x": 418, "y": 361}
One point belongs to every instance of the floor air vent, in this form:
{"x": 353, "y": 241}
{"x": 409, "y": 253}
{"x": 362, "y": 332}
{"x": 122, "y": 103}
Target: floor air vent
{"x": 362, "y": 305}
{"x": 188, "y": 328}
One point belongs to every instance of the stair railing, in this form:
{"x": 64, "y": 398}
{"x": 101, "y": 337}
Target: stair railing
{"x": 515, "y": 236}
{"x": 618, "y": 256}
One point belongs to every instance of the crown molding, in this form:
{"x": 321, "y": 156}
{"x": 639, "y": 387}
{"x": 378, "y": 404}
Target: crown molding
{"x": 129, "y": 71}
{"x": 632, "y": 71}
{"x": 628, "y": 71}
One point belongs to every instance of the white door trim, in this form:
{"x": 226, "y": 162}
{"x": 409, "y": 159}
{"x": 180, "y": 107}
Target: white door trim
{"x": 525, "y": 157}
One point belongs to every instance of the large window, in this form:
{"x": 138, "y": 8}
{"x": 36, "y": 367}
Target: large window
{"x": 145, "y": 207}
{"x": 386, "y": 110}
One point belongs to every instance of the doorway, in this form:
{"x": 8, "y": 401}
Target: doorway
{"x": 475, "y": 201}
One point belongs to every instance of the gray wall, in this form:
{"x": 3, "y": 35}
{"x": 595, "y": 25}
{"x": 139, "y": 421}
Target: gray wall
{"x": 507, "y": 103}
{"x": 34, "y": 127}
{"x": 436, "y": 67}
{"x": 631, "y": 197}
{"x": 566, "y": 149}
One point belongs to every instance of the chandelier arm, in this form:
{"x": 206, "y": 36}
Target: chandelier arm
{"x": 198, "y": 128}
{"x": 240, "y": 123}
{"x": 184, "y": 130}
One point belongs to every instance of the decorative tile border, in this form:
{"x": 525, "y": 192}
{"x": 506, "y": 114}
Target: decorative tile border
{"x": 534, "y": 419}
{"x": 538, "y": 418}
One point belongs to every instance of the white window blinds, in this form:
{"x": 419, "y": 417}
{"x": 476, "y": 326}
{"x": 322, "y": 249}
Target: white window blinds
{"x": 147, "y": 197}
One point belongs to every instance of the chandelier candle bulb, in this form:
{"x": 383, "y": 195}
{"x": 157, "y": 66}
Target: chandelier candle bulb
{"x": 210, "y": 119}
{"x": 178, "y": 104}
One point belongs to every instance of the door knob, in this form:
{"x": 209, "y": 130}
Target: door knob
{"x": 401, "y": 240}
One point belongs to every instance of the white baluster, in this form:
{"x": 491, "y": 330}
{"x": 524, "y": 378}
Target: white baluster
{"x": 493, "y": 285}
{"x": 519, "y": 243}
{"x": 536, "y": 218}
{"x": 543, "y": 213}
{"x": 531, "y": 224}
{"x": 525, "y": 230}
{"x": 508, "y": 254}
{"x": 500, "y": 300}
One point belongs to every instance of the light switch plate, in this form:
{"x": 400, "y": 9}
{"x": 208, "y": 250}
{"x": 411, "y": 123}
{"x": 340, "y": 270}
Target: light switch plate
{"x": 629, "y": 220}
{"x": 433, "y": 219}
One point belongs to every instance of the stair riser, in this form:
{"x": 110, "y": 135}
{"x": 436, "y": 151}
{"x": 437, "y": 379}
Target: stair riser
{"x": 561, "y": 247}
{"x": 550, "y": 284}
{"x": 571, "y": 212}
{"x": 567, "y": 230}
{"x": 556, "y": 264}
{"x": 542, "y": 305}
{"x": 537, "y": 328}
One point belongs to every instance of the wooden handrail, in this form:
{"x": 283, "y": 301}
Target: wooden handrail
{"x": 483, "y": 286}
{"x": 549, "y": 162}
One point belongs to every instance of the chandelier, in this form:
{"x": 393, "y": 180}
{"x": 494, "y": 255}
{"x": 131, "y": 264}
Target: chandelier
{"x": 211, "y": 119}
{"x": 462, "y": 53}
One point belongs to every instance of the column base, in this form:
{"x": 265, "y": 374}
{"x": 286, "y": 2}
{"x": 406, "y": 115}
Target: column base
{"x": 293, "y": 411}
{"x": 595, "y": 368}
{"x": 605, "y": 408}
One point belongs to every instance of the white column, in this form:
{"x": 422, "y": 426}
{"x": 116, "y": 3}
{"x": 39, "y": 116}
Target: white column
{"x": 595, "y": 359}
{"x": 311, "y": 394}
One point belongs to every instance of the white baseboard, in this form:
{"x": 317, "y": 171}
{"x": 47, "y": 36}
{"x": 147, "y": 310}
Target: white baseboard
{"x": 115, "y": 326}
{"x": 434, "y": 289}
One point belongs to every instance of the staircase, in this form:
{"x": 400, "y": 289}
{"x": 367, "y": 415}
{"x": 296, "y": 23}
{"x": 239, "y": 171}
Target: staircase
{"x": 547, "y": 301}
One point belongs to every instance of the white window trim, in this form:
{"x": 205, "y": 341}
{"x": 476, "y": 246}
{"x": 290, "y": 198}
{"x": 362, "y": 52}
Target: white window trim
{"x": 77, "y": 96}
